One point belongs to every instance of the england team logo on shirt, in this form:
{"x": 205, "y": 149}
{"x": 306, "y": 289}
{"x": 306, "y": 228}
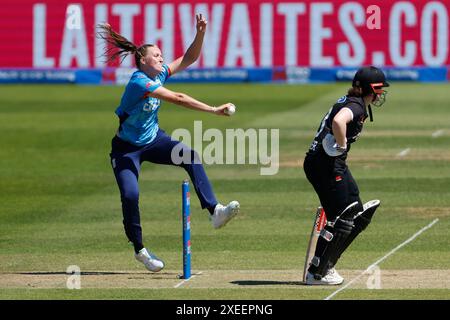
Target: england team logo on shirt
{"x": 151, "y": 105}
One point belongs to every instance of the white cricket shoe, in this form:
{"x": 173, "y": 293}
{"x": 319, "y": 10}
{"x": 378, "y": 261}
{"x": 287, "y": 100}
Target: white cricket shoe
{"x": 333, "y": 273}
{"x": 332, "y": 278}
{"x": 150, "y": 261}
{"x": 222, "y": 214}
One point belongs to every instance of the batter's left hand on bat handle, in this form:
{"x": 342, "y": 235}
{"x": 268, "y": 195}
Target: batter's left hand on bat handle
{"x": 340, "y": 149}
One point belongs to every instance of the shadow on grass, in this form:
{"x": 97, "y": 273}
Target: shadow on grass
{"x": 96, "y": 273}
{"x": 84, "y": 273}
{"x": 267, "y": 283}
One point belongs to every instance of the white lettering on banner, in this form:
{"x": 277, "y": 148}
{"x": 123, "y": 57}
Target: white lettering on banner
{"x": 211, "y": 48}
{"x": 345, "y": 20}
{"x": 250, "y": 35}
{"x": 318, "y": 33}
{"x": 266, "y": 35}
{"x": 430, "y": 10}
{"x": 165, "y": 33}
{"x": 74, "y": 45}
{"x": 188, "y": 25}
{"x": 378, "y": 58}
{"x": 39, "y": 38}
{"x": 126, "y": 12}
{"x": 101, "y": 16}
{"x": 211, "y": 41}
{"x": 291, "y": 11}
{"x": 297, "y": 74}
{"x": 240, "y": 43}
{"x": 409, "y": 11}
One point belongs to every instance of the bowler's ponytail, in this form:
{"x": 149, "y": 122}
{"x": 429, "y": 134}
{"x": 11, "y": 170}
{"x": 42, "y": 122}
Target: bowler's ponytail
{"x": 118, "y": 46}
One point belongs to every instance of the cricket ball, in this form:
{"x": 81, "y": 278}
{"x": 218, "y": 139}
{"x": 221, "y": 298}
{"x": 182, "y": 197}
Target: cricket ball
{"x": 230, "y": 110}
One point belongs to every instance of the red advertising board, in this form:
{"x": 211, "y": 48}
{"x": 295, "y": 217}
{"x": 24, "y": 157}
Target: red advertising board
{"x": 61, "y": 34}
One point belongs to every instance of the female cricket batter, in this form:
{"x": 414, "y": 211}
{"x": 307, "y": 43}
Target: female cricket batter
{"x": 139, "y": 137}
{"x": 327, "y": 171}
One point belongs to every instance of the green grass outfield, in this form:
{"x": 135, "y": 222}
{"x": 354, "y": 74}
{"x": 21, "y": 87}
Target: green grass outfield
{"x": 60, "y": 204}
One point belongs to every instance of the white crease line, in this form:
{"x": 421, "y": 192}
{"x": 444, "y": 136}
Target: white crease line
{"x": 403, "y": 152}
{"x": 186, "y": 280}
{"x": 438, "y": 133}
{"x": 373, "y": 265}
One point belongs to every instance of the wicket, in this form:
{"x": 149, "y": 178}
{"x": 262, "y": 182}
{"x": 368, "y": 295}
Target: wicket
{"x": 186, "y": 199}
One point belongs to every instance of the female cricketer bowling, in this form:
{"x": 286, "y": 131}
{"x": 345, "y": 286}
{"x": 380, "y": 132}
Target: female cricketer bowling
{"x": 326, "y": 169}
{"x": 139, "y": 137}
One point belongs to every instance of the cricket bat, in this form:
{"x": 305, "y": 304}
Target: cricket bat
{"x": 320, "y": 221}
